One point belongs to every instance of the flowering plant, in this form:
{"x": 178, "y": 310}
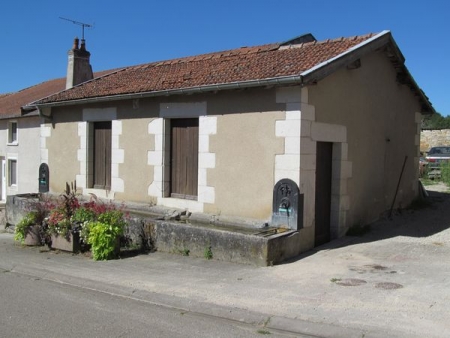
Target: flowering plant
{"x": 100, "y": 225}
{"x": 59, "y": 221}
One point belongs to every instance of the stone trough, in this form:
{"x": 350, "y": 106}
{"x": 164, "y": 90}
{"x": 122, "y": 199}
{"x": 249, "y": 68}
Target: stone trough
{"x": 166, "y": 230}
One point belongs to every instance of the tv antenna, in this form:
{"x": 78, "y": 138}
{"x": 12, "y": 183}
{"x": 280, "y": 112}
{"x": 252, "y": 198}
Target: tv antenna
{"x": 82, "y": 24}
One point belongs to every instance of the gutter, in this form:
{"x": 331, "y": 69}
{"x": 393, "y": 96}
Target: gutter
{"x": 42, "y": 115}
{"x": 286, "y": 80}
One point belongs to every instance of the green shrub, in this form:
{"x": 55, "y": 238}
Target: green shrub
{"x": 207, "y": 253}
{"x": 24, "y": 225}
{"x": 105, "y": 233}
{"x": 83, "y": 214}
{"x": 445, "y": 172}
{"x": 113, "y": 217}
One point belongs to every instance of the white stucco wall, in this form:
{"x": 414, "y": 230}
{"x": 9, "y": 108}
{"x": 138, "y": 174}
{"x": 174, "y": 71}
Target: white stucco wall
{"x": 26, "y": 151}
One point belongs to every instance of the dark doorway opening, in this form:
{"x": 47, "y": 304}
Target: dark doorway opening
{"x": 323, "y": 192}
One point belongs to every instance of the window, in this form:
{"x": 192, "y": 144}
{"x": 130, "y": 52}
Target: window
{"x": 12, "y": 169}
{"x": 12, "y": 132}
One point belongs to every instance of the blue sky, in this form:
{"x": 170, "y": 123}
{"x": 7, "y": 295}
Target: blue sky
{"x": 34, "y": 41}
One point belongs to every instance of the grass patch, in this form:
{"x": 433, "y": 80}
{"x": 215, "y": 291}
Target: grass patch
{"x": 428, "y": 181}
{"x": 261, "y": 331}
{"x": 445, "y": 173}
{"x": 207, "y": 253}
{"x": 334, "y": 280}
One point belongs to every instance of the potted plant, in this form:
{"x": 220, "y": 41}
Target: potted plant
{"x": 28, "y": 230}
{"x": 59, "y": 223}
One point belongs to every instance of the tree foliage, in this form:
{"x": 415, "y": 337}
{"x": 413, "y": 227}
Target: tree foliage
{"x": 436, "y": 121}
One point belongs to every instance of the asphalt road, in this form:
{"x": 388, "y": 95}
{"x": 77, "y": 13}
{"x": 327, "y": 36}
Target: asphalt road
{"x": 34, "y": 307}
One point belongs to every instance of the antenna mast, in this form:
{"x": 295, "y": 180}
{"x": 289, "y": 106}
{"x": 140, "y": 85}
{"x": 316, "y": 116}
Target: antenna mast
{"x": 82, "y": 24}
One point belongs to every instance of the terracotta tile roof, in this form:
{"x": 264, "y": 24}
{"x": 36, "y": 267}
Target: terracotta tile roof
{"x": 243, "y": 64}
{"x": 11, "y": 103}
{"x": 4, "y": 95}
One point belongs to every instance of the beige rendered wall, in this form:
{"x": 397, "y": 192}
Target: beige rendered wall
{"x": 61, "y": 145}
{"x": 381, "y": 127}
{"x": 135, "y": 172}
{"x": 239, "y": 146}
{"x": 245, "y": 146}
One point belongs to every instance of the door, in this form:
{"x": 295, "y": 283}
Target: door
{"x": 184, "y": 158}
{"x": 102, "y": 155}
{"x": 323, "y": 192}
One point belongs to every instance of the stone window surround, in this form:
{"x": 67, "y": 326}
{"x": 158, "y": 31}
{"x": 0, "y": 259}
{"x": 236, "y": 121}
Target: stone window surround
{"x": 9, "y": 159}
{"x": 160, "y": 157}
{"x": 85, "y": 152}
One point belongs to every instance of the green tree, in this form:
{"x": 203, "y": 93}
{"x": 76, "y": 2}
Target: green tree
{"x": 436, "y": 121}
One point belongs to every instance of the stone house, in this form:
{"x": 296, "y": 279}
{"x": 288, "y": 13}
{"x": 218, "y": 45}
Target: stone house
{"x": 214, "y": 133}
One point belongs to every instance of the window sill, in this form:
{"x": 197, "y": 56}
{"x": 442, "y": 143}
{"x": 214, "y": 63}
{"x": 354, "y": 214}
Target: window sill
{"x": 100, "y": 193}
{"x": 178, "y": 203}
{"x": 12, "y": 143}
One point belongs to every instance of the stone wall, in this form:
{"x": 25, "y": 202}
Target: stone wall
{"x": 432, "y": 138}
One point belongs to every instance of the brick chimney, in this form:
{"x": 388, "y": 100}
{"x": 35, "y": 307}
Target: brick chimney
{"x": 78, "y": 68}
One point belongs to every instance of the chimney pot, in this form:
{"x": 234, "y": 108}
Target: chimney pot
{"x": 78, "y": 68}
{"x": 75, "y": 44}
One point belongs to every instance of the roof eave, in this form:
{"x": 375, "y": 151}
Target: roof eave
{"x": 376, "y": 42}
{"x": 329, "y": 66}
{"x": 277, "y": 81}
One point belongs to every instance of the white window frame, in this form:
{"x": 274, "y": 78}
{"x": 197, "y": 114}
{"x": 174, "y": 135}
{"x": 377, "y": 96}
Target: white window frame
{"x": 10, "y": 141}
{"x": 10, "y": 184}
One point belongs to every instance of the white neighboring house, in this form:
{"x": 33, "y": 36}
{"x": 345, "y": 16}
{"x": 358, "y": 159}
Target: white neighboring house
{"x": 22, "y": 134}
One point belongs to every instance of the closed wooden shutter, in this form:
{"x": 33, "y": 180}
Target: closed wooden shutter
{"x": 102, "y": 155}
{"x": 184, "y": 158}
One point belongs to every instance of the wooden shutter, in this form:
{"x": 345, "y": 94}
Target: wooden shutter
{"x": 184, "y": 158}
{"x": 102, "y": 155}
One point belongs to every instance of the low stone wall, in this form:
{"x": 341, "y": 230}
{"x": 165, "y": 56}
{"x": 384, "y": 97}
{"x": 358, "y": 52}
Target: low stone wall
{"x": 433, "y": 138}
{"x": 3, "y": 224}
{"x": 17, "y": 206}
{"x": 148, "y": 231}
{"x": 222, "y": 244}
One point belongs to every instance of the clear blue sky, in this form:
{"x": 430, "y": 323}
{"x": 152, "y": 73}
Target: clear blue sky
{"x": 34, "y": 41}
